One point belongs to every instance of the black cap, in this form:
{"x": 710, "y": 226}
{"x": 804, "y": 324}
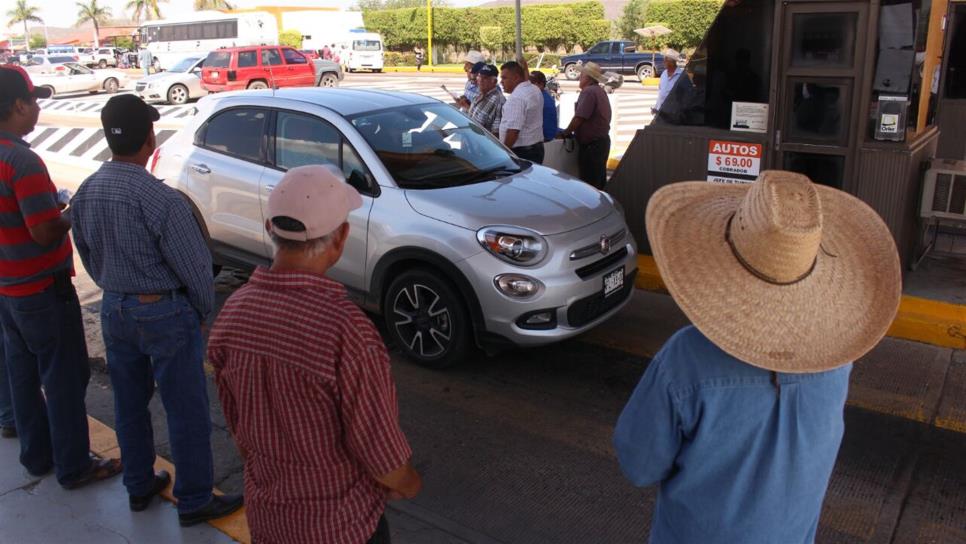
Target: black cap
{"x": 489, "y": 70}
{"x": 477, "y": 67}
{"x": 127, "y": 120}
{"x": 15, "y": 84}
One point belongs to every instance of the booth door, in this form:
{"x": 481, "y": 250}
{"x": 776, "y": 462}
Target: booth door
{"x": 822, "y": 53}
{"x": 952, "y": 88}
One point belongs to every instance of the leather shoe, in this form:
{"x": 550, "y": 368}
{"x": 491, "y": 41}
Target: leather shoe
{"x": 8, "y": 431}
{"x": 220, "y": 506}
{"x": 139, "y": 503}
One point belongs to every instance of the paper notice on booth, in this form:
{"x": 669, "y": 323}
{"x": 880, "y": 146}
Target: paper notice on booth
{"x": 749, "y": 117}
{"x": 733, "y": 162}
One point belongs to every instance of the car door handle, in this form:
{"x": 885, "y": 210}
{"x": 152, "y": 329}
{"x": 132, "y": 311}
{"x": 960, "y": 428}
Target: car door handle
{"x": 268, "y": 188}
{"x": 201, "y": 168}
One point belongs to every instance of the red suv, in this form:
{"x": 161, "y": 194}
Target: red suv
{"x": 256, "y": 67}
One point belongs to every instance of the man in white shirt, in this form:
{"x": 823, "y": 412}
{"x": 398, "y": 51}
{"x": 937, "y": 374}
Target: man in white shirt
{"x": 521, "y": 128}
{"x": 669, "y": 77}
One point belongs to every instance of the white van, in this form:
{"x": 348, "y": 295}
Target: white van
{"x": 363, "y": 51}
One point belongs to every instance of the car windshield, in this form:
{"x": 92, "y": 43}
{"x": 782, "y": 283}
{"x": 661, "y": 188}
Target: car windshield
{"x": 428, "y": 146}
{"x": 77, "y": 68}
{"x": 60, "y": 59}
{"x": 184, "y": 65}
{"x": 366, "y": 45}
{"x": 218, "y": 59}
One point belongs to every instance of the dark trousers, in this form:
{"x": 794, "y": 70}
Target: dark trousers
{"x": 6, "y": 402}
{"x": 382, "y": 535}
{"x": 159, "y": 342}
{"x": 592, "y": 161}
{"x": 45, "y": 346}
{"x": 532, "y": 153}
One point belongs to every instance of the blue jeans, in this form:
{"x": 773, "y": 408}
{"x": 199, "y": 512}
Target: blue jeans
{"x": 45, "y": 346}
{"x": 159, "y": 342}
{"x": 6, "y": 402}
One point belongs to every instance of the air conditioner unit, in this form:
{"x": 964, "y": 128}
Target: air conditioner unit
{"x": 944, "y": 191}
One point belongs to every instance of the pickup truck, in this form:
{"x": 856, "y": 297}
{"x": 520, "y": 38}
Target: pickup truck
{"x": 616, "y": 56}
{"x": 100, "y": 58}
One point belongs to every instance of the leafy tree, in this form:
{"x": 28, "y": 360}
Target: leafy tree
{"x": 94, "y": 13}
{"x": 689, "y": 20}
{"x": 634, "y": 16}
{"x": 22, "y": 13}
{"x": 212, "y": 4}
{"x": 37, "y": 41}
{"x": 491, "y": 37}
{"x": 366, "y": 5}
{"x": 148, "y": 9}
{"x": 291, "y": 38}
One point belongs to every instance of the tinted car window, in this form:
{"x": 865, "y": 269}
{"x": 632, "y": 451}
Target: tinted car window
{"x": 218, "y": 59}
{"x": 237, "y": 132}
{"x": 355, "y": 171}
{"x": 428, "y": 146}
{"x": 302, "y": 140}
{"x": 294, "y": 57}
{"x": 247, "y": 59}
{"x": 599, "y": 49}
{"x": 270, "y": 57}
{"x": 60, "y": 59}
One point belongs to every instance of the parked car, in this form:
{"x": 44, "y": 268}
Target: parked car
{"x": 621, "y": 57}
{"x": 102, "y": 58}
{"x": 175, "y": 86}
{"x": 458, "y": 240}
{"x": 264, "y": 66}
{"x": 71, "y": 77}
{"x": 46, "y": 64}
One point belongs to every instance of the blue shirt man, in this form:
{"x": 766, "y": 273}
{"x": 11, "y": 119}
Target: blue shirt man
{"x": 741, "y": 455}
{"x": 669, "y": 77}
{"x": 550, "y": 122}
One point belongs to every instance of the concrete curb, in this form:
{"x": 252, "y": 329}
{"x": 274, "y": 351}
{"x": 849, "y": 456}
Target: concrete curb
{"x": 919, "y": 319}
{"x": 104, "y": 443}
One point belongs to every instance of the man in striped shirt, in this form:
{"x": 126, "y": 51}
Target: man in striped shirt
{"x": 304, "y": 381}
{"x": 44, "y": 340}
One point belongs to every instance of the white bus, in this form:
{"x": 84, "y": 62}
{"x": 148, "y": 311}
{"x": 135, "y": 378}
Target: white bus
{"x": 171, "y": 40}
{"x": 363, "y": 51}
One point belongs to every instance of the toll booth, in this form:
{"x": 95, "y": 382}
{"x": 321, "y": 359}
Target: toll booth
{"x": 844, "y": 92}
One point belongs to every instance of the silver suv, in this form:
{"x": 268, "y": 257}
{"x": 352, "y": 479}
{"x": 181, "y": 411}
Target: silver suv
{"x": 458, "y": 240}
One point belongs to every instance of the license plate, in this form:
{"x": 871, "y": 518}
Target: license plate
{"x": 214, "y": 75}
{"x": 613, "y": 282}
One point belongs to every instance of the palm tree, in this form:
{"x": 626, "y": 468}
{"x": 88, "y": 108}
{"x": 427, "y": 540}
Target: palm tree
{"x": 147, "y": 8}
{"x": 22, "y": 14}
{"x": 95, "y": 14}
{"x": 212, "y": 4}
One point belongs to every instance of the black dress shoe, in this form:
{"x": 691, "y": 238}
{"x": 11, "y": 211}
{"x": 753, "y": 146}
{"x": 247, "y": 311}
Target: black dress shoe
{"x": 140, "y": 503}
{"x": 220, "y": 506}
{"x": 8, "y": 431}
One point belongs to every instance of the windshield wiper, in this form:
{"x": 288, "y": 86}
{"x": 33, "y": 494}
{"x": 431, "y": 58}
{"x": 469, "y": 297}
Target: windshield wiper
{"x": 491, "y": 173}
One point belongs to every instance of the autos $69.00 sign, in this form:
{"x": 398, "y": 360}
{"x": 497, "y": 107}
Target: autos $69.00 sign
{"x": 733, "y": 162}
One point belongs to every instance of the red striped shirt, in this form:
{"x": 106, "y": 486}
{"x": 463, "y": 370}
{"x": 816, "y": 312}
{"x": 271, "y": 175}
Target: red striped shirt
{"x": 304, "y": 382}
{"x": 27, "y": 199}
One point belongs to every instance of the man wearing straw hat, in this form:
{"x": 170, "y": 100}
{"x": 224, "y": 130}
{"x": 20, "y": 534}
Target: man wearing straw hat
{"x": 740, "y": 416}
{"x": 591, "y": 126}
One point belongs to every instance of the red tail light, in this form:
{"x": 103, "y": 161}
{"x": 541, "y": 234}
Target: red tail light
{"x": 154, "y": 159}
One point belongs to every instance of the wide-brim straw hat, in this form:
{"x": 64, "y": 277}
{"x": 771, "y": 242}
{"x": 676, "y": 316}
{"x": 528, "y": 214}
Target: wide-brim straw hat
{"x": 593, "y": 70}
{"x": 782, "y": 274}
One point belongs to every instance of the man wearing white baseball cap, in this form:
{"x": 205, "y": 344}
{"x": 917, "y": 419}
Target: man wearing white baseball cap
{"x": 304, "y": 381}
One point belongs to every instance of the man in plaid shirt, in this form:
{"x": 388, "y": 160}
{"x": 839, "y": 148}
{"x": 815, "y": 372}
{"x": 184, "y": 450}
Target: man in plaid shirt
{"x": 304, "y": 381}
{"x": 487, "y": 109}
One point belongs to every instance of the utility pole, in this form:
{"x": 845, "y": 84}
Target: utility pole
{"x": 429, "y": 31}
{"x": 519, "y": 25}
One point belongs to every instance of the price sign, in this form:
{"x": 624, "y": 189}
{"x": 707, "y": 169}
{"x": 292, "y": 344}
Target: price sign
{"x": 733, "y": 162}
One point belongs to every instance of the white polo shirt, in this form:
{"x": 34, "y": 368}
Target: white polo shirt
{"x": 523, "y": 111}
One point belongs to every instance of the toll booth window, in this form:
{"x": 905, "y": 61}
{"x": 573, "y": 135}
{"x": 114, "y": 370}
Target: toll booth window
{"x": 823, "y": 39}
{"x": 955, "y": 86}
{"x": 732, "y": 64}
{"x": 820, "y": 168}
{"x": 818, "y": 113}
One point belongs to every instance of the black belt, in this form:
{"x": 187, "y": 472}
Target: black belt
{"x": 527, "y": 147}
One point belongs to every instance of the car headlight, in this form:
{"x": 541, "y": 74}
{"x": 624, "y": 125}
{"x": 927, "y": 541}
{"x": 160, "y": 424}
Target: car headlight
{"x": 514, "y": 245}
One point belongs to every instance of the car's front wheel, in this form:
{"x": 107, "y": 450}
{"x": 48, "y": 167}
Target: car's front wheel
{"x": 111, "y": 85}
{"x": 177, "y": 94}
{"x": 328, "y": 80}
{"x": 427, "y": 319}
{"x": 572, "y": 71}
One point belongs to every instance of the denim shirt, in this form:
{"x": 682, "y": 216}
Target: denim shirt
{"x": 738, "y": 458}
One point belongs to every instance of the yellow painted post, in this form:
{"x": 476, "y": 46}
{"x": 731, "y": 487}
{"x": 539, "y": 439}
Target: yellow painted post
{"x": 429, "y": 31}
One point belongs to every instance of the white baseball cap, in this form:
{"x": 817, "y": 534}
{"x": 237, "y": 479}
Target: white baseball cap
{"x": 316, "y": 196}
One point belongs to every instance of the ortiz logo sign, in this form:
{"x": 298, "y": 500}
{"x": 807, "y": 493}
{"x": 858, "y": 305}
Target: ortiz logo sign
{"x": 733, "y": 162}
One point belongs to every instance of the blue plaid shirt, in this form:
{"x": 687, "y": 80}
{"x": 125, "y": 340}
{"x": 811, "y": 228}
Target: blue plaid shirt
{"x": 136, "y": 235}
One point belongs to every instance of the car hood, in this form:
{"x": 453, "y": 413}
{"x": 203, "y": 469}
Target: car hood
{"x": 540, "y": 199}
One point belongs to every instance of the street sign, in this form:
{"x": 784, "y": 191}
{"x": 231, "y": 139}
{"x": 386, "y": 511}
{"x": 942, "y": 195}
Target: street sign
{"x": 733, "y": 162}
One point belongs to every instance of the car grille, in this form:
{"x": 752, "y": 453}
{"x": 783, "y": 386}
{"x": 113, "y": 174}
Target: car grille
{"x": 590, "y": 308}
{"x": 140, "y": 87}
{"x": 602, "y": 265}
{"x": 593, "y": 249}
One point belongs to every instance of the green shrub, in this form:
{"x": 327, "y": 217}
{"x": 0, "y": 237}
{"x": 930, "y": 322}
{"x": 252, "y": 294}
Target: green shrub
{"x": 688, "y": 19}
{"x": 291, "y": 38}
{"x": 395, "y": 58}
